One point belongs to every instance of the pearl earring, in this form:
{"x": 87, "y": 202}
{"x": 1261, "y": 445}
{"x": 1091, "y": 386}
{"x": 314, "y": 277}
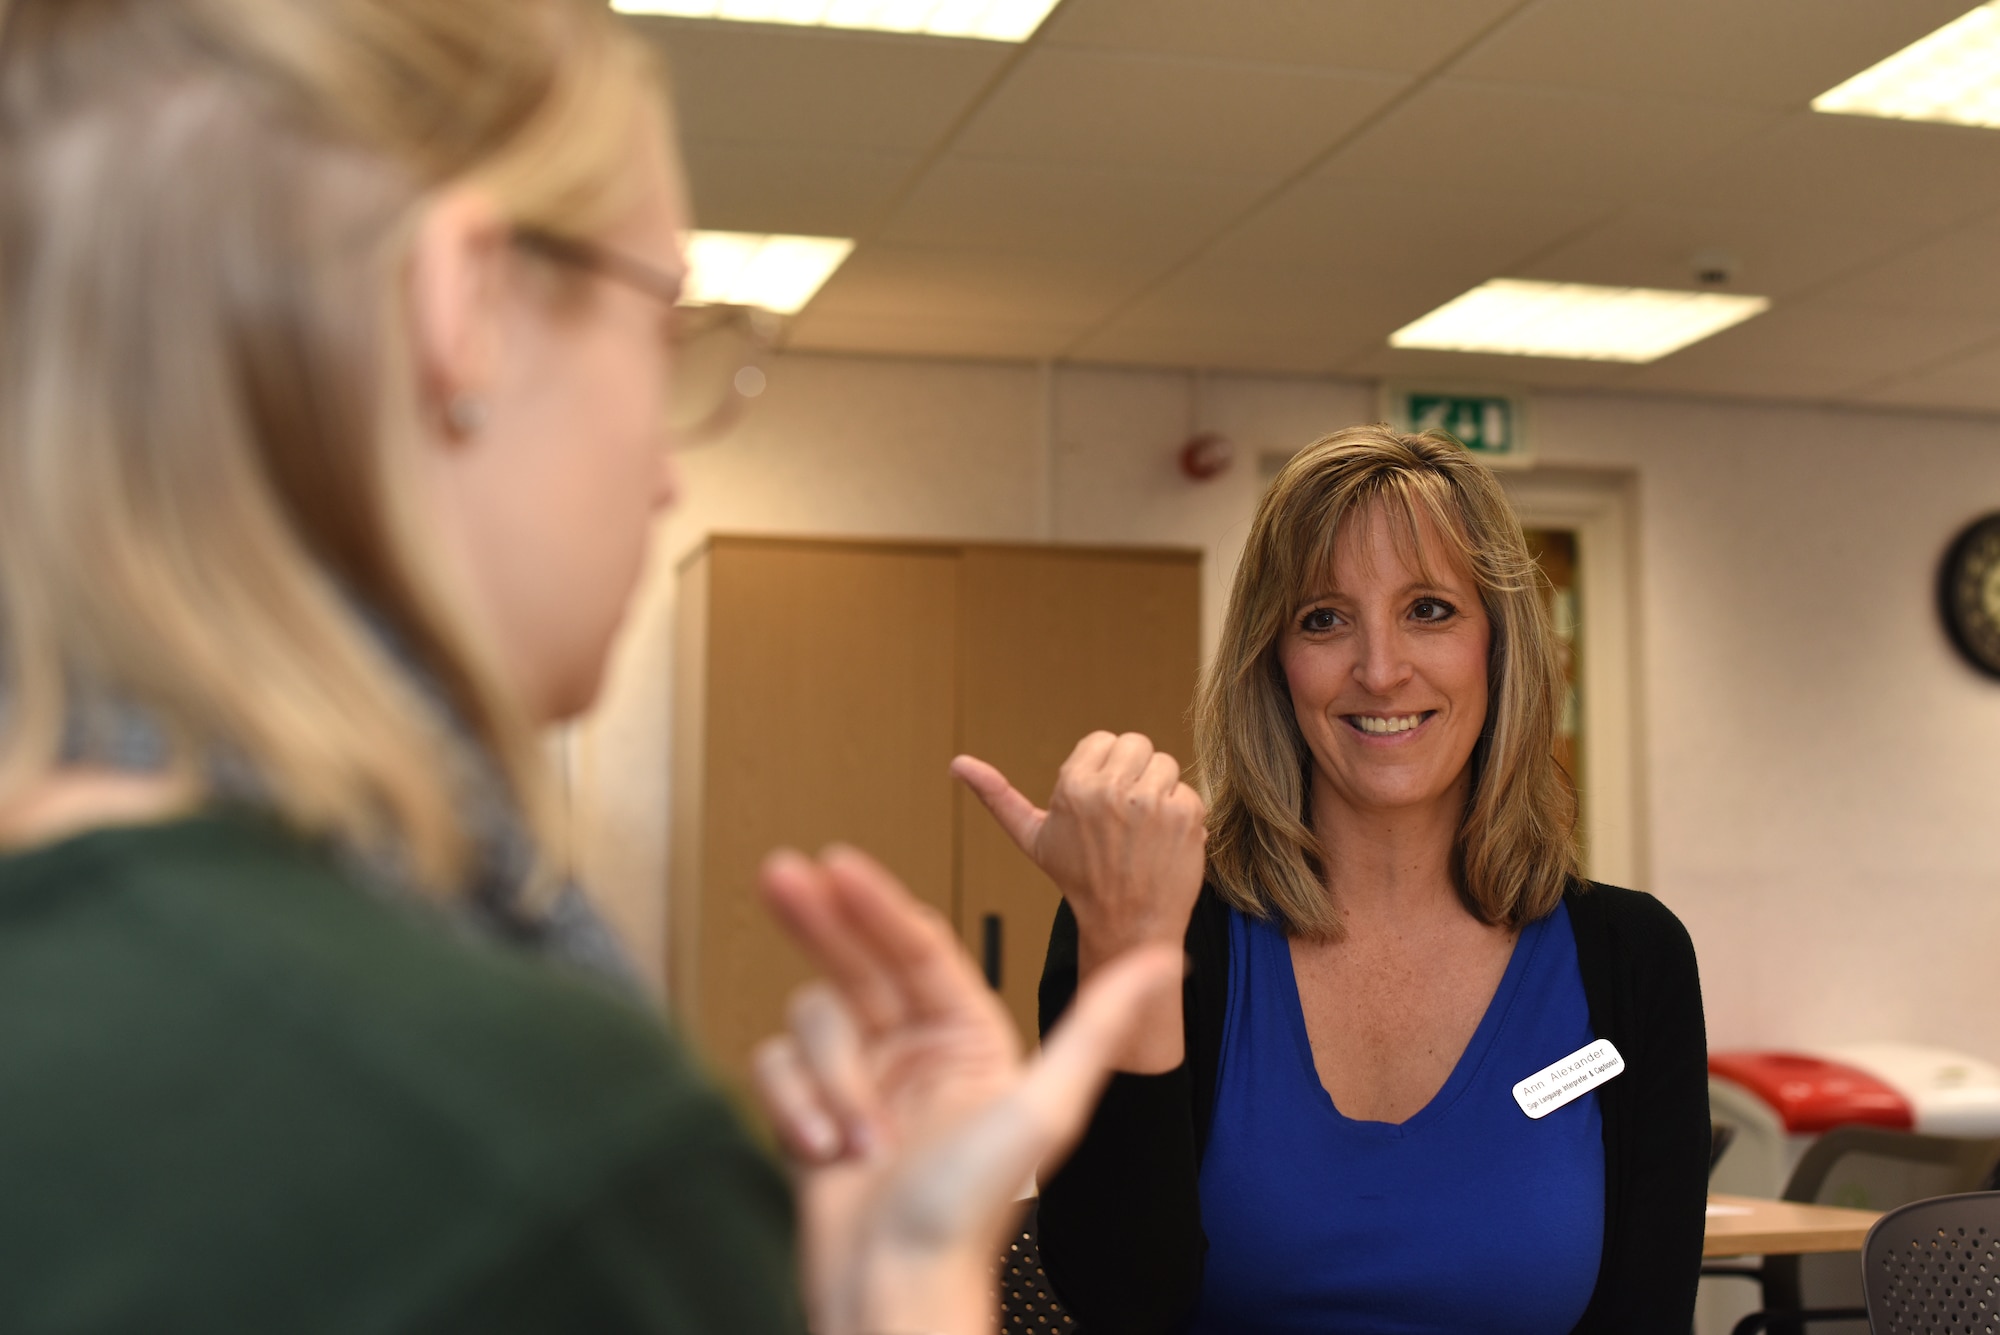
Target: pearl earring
{"x": 465, "y": 414}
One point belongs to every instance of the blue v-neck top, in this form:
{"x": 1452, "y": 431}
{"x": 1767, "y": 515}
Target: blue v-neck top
{"x": 1468, "y": 1216}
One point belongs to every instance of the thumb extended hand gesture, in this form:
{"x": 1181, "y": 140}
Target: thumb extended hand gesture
{"x": 1122, "y": 838}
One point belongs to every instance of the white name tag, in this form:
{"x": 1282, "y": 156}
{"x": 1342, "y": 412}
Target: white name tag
{"x": 1571, "y": 1078}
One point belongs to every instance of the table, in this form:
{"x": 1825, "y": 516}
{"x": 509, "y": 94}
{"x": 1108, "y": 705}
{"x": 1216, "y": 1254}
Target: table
{"x": 1750, "y": 1226}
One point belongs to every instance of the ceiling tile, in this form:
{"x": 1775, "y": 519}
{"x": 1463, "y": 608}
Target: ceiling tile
{"x": 1465, "y": 368}
{"x": 1776, "y": 53}
{"x": 1462, "y": 142}
{"x": 1655, "y": 246}
{"x": 1391, "y": 233}
{"x": 1967, "y": 383}
{"x": 1344, "y": 307}
{"x": 1364, "y": 258}
{"x": 928, "y": 336}
{"x": 740, "y": 81}
{"x": 1334, "y": 34}
{"x": 1153, "y": 218}
{"x": 1222, "y": 346}
{"x": 1894, "y": 174}
{"x": 1326, "y": 274}
{"x": 1815, "y": 333}
{"x": 884, "y": 282}
{"x": 1094, "y": 109}
{"x": 822, "y": 191}
{"x": 1728, "y": 378}
{"x": 1811, "y": 351}
{"x": 1958, "y": 273}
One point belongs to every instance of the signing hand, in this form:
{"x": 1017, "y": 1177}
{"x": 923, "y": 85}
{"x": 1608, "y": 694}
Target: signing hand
{"x": 1122, "y": 839}
{"x": 900, "y": 1093}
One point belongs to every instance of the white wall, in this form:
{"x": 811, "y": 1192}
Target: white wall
{"x": 1822, "y": 776}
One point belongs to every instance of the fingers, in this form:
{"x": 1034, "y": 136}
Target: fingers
{"x": 808, "y": 904}
{"x": 1020, "y": 818}
{"x": 1087, "y": 756}
{"x": 813, "y": 1081}
{"x": 1128, "y": 757}
{"x": 1190, "y": 803}
{"x": 1121, "y": 760}
{"x": 1160, "y": 778}
{"x": 889, "y": 956}
{"x": 911, "y": 943}
{"x": 829, "y": 1041}
{"x": 792, "y": 1101}
{"x": 959, "y": 1186}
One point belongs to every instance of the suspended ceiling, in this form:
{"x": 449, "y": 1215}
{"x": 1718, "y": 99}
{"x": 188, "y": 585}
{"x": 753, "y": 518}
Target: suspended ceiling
{"x": 1277, "y": 185}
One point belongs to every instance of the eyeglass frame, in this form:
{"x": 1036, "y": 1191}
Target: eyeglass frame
{"x": 691, "y": 320}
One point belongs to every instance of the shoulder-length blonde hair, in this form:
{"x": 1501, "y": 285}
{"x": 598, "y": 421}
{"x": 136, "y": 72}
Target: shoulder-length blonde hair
{"x": 1515, "y": 848}
{"x": 208, "y": 408}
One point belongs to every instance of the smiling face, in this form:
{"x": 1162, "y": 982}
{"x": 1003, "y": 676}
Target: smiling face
{"x": 1387, "y": 668}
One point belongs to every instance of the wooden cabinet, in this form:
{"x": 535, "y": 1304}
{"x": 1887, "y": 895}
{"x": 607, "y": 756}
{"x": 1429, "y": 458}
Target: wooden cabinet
{"x": 821, "y": 689}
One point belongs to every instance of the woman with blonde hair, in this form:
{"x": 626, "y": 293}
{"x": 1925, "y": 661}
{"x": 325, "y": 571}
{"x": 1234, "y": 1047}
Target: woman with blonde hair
{"x": 334, "y": 343}
{"x": 1424, "y": 1077}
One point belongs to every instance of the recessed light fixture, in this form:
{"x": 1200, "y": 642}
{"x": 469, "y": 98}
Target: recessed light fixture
{"x": 1521, "y": 317}
{"x": 1953, "y": 75}
{"x": 989, "y": 20}
{"x": 774, "y": 273}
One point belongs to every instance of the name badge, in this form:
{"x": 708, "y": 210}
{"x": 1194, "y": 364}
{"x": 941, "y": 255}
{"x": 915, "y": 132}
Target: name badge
{"x": 1571, "y": 1078}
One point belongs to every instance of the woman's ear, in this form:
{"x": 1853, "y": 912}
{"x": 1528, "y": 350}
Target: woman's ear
{"x": 456, "y": 276}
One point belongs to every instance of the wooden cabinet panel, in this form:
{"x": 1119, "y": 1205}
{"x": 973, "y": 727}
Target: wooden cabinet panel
{"x": 1056, "y": 643}
{"x": 829, "y": 685}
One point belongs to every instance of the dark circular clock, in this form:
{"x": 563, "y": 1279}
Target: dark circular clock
{"x": 1969, "y": 593}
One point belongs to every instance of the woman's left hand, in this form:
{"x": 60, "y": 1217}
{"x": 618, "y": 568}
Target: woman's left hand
{"x": 900, "y": 1092}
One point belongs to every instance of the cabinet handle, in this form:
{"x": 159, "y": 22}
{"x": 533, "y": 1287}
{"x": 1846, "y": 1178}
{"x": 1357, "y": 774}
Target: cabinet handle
{"x": 989, "y": 949}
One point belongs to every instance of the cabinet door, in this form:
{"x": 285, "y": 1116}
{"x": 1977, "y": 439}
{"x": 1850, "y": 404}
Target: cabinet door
{"x": 1055, "y": 644}
{"x": 829, "y": 685}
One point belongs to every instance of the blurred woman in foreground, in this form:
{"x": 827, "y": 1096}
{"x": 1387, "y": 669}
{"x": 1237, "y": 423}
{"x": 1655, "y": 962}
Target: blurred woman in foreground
{"x": 1426, "y": 1079}
{"x": 333, "y": 343}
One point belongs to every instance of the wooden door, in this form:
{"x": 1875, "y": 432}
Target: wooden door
{"x": 817, "y": 704}
{"x": 1555, "y": 551}
{"x": 1055, "y": 643}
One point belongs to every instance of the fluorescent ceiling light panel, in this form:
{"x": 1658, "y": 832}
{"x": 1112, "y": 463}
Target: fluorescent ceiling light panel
{"x": 989, "y": 20}
{"x": 1520, "y": 317}
{"x": 777, "y": 273}
{"x": 1953, "y": 75}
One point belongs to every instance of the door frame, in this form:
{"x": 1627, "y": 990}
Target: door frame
{"x": 1601, "y": 508}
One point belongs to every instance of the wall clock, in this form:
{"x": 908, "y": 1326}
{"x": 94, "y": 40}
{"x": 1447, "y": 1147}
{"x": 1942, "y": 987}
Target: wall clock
{"x": 1969, "y": 593}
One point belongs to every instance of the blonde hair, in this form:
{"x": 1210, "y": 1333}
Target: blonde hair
{"x": 1514, "y": 851}
{"x": 208, "y": 411}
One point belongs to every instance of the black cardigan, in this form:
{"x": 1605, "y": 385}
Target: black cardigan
{"x": 1121, "y": 1222}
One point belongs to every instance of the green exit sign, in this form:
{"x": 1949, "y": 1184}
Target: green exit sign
{"x": 1489, "y": 424}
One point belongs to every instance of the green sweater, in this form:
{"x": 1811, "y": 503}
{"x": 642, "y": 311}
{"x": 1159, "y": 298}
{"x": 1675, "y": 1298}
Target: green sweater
{"x": 240, "y": 1091}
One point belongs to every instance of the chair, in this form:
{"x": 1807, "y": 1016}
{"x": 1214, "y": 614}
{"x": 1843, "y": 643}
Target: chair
{"x": 1933, "y": 1267}
{"x": 1720, "y": 1135}
{"x": 1026, "y": 1300}
{"x": 1863, "y": 1167}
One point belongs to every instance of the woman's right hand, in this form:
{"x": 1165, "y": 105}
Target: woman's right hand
{"x": 1122, "y": 838}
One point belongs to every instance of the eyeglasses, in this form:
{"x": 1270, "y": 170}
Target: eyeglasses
{"x": 718, "y": 350}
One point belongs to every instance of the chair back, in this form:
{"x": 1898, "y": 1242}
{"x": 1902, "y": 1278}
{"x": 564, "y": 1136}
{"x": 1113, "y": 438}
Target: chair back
{"x": 1871, "y": 1168}
{"x": 1720, "y": 1134}
{"x": 1933, "y": 1267}
{"x": 1026, "y": 1300}
{"x": 1865, "y": 1168}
